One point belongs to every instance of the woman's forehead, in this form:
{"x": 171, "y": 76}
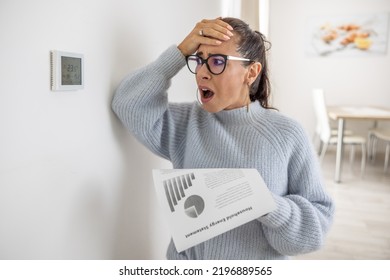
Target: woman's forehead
{"x": 227, "y": 47}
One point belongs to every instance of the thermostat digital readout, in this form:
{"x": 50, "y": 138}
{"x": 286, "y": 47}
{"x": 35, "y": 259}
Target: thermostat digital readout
{"x": 66, "y": 71}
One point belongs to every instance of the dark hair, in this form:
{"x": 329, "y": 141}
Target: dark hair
{"x": 253, "y": 45}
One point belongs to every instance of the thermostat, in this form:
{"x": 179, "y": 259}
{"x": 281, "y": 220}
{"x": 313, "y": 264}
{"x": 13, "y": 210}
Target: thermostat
{"x": 66, "y": 70}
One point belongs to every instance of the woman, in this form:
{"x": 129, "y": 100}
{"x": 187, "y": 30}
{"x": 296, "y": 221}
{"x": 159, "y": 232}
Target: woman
{"x": 233, "y": 128}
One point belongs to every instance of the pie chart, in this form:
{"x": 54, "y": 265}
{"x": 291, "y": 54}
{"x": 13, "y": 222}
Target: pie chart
{"x": 194, "y": 206}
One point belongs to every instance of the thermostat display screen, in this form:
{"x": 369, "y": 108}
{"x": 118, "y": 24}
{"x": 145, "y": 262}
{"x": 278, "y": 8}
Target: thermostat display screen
{"x": 71, "y": 70}
{"x": 67, "y": 70}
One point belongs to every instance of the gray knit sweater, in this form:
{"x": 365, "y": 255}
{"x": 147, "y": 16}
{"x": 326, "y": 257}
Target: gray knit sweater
{"x": 264, "y": 139}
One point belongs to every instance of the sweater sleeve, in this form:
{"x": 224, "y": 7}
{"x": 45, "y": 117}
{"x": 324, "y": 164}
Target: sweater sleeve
{"x": 304, "y": 215}
{"x": 141, "y": 103}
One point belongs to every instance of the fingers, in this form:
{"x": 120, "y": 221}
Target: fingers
{"x": 207, "y": 32}
{"x": 216, "y": 29}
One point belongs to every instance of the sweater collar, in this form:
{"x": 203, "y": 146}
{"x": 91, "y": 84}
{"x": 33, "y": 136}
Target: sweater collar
{"x": 241, "y": 115}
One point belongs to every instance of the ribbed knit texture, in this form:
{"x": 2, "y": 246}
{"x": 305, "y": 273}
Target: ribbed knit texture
{"x": 264, "y": 139}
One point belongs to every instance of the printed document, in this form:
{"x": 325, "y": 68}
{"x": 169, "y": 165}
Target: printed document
{"x": 202, "y": 203}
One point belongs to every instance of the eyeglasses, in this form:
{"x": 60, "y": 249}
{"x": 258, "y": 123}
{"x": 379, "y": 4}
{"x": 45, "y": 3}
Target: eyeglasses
{"x": 216, "y": 63}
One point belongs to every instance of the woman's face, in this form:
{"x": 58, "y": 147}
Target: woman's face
{"x": 225, "y": 91}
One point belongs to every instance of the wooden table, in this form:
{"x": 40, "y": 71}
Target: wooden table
{"x": 343, "y": 113}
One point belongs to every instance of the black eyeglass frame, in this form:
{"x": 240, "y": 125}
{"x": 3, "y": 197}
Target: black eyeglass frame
{"x": 226, "y": 57}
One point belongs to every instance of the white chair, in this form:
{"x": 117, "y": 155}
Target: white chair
{"x": 317, "y": 133}
{"x": 325, "y": 132}
{"x": 373, "y": 136}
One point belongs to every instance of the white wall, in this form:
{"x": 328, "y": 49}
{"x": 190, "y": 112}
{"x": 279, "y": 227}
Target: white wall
{"x": 73, "y": 183}
{"x": 346, "y": 80}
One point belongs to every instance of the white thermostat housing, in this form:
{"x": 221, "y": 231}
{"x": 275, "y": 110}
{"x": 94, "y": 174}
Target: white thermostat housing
{"x": 67, "y": 70}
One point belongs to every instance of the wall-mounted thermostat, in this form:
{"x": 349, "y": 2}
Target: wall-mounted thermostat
{"x": 66, "y": 71}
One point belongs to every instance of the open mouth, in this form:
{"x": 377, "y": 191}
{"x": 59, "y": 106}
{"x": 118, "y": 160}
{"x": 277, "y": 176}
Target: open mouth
{"x": 206, "y": 95}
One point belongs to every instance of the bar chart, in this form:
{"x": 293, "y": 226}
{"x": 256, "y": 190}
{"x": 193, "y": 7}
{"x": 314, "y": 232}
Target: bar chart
{"x": 175, "y": 188}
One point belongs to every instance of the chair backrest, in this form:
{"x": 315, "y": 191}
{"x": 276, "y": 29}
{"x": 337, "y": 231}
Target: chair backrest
{"x": 323, "y": 126}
